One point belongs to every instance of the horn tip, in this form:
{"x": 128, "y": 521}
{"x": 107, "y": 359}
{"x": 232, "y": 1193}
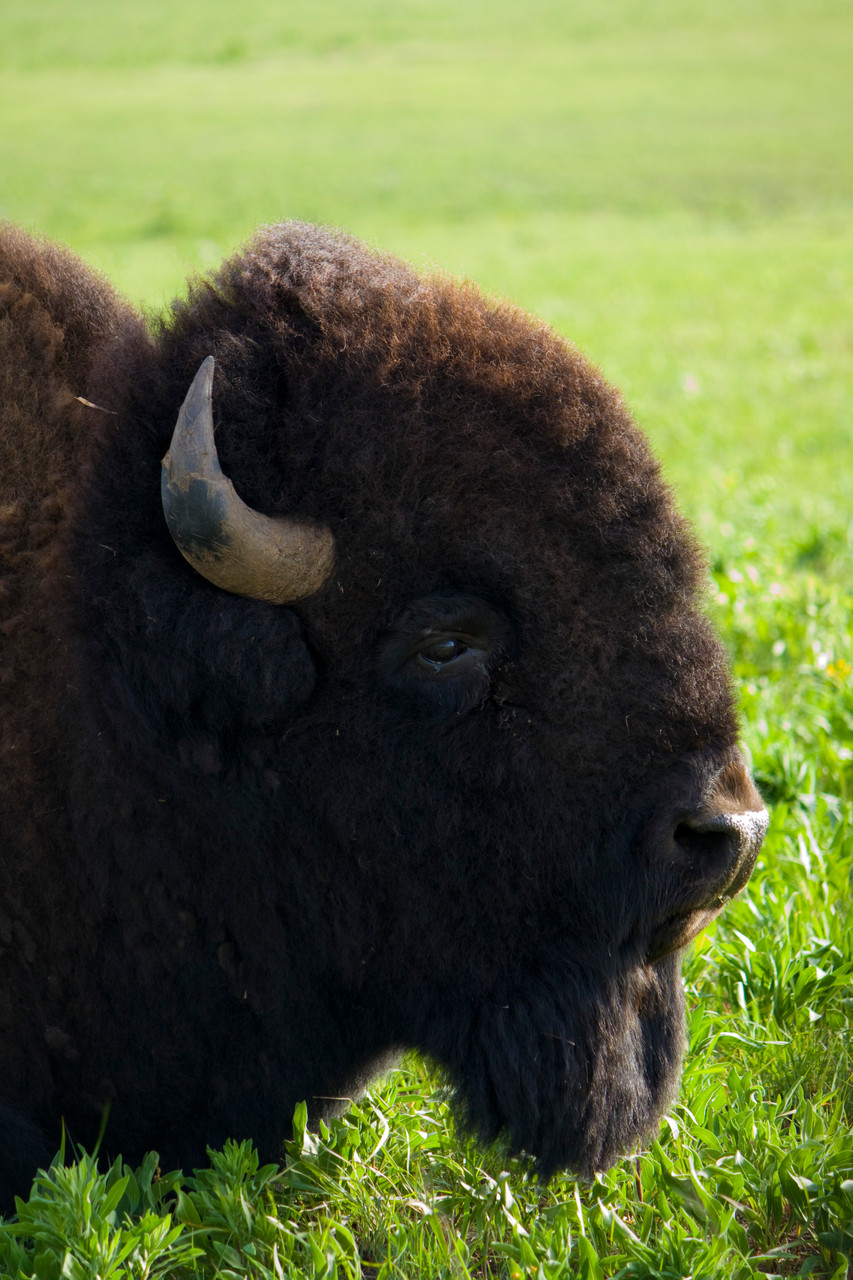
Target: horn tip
{"x": 203, "y": 380}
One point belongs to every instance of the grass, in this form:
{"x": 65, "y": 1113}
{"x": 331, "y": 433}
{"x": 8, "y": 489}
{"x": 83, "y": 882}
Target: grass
{"x": 670, "y": 186}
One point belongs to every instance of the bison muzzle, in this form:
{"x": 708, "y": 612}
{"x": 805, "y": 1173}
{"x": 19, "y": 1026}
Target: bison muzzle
{"x": 358, "y": 697}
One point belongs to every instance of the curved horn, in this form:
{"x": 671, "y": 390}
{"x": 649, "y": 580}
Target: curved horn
{"x": 234, "y": 547}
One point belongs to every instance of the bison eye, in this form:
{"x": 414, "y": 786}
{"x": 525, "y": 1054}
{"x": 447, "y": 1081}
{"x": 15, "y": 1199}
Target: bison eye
{"x": 435, "y": 654}
{"x": 439, "y": 656}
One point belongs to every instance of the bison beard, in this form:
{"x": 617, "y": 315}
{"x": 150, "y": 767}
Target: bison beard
{"x": 575, "y": 1071}
{"x": 414, "y": 736}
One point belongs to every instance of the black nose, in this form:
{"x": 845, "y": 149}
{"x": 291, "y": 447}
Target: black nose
{"x": 718, "y": 850}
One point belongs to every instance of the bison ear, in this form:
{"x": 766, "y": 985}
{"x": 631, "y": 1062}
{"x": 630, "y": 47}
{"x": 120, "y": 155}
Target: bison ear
{"x": 207, "y": 668}
{"x": 257, "y": 666}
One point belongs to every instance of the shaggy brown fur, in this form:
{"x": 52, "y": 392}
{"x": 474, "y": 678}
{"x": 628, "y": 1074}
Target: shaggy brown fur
{"x": 55, "y": 313}
{"x": 248, "y": 850}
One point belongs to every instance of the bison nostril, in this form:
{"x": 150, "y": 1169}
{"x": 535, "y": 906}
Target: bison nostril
{"x": 708, "y": 848}
{"x": 722, "y": 848}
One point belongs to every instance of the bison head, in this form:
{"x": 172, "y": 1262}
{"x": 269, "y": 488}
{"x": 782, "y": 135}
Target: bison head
{"x": 449, "y": 750}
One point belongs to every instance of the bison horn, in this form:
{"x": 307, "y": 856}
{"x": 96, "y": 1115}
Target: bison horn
{"x": 234, "y": 547}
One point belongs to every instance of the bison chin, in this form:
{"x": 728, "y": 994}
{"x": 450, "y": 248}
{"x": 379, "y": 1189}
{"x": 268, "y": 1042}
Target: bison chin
{"x": 575, "y": 1074}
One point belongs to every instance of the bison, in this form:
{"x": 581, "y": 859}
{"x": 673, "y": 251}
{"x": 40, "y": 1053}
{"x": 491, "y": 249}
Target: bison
{"x": 356, "y": 695}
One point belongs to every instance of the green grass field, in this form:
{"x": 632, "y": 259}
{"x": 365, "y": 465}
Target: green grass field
{"x": 671, "y": 186}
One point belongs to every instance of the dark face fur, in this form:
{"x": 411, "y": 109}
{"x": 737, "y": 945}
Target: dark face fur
{"x": 490, "y": 768}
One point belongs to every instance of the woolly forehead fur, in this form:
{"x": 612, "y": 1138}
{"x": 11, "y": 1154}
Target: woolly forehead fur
{"x": 448, "y": 440}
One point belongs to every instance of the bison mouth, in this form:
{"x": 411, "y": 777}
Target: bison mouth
{"x": 676, "y": 932}
{"x": 576, "y": 1073}
{"x": 680, "y": 928}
